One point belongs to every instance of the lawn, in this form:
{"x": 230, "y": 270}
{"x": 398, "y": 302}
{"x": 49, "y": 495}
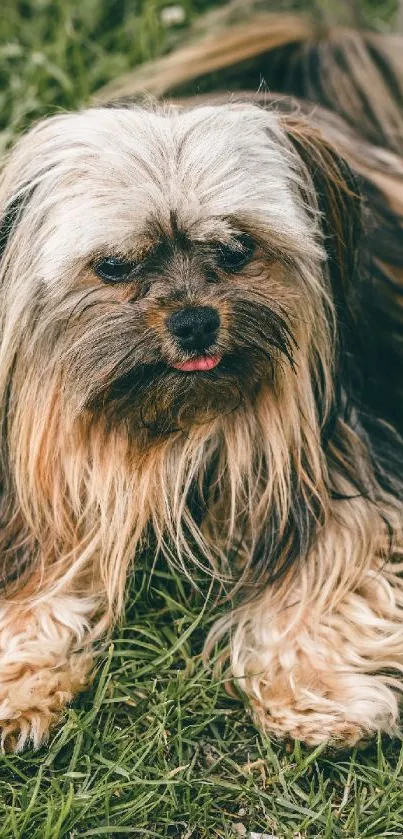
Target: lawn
{"x": 157, "y": 747}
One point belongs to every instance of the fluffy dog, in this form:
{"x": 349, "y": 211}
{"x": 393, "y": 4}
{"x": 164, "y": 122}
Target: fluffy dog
{"x": 200, "y": 351}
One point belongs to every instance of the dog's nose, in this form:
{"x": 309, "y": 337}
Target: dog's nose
{"x": 194, "y": 328}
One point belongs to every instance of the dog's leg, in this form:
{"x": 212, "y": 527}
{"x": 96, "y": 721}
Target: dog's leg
{"x": 317, "y": 663}
{"x": 44, "y": 662}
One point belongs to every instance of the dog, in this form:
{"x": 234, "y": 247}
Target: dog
{"x": 201, "y": 348}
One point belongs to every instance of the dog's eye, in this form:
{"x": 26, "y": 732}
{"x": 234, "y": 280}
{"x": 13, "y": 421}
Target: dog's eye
{"x": 235, "y": 256}
{"x": 114, "y": 270}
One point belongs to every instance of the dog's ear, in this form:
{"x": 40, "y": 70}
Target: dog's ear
{"x": 333, "y": 190}
{"x": 336, "y": 194}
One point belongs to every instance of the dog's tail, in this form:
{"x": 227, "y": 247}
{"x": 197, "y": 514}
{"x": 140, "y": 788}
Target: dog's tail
{"x": 358, "y": 75}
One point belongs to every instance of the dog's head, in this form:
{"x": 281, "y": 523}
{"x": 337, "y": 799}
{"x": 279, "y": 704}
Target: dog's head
{"x": 172, "y": 284}
{"x": 163, "y": 266}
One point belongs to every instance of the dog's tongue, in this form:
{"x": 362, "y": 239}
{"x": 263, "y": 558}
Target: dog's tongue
{"x": 205, "y": 363}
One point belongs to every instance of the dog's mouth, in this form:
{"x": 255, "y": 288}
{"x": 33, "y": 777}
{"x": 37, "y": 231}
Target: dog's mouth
{"x": 170, "y": 394}
{"x": 201, "y": 364}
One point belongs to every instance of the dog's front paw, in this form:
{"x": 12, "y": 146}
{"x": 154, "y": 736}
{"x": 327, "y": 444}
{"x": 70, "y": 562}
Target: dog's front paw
{"x": 312, "y": 728}
{"x": 33, "y": 703}
{"x": 348, "y": 714}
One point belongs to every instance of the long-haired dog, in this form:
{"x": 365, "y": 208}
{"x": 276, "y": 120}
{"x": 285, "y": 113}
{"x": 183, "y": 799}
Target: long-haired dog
{"x": 201, "y": 348}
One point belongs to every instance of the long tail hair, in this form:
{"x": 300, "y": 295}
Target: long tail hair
{"x": 357, "y": 75}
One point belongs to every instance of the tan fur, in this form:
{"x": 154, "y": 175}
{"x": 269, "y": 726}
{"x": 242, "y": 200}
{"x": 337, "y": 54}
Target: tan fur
{"x": 308, "y": 654}
{"x": 42, "y": 666}
{"x": 84, "y": 483}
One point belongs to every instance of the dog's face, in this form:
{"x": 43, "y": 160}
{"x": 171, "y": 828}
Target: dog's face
{"x": 166, "y": 272}
{"x": 167, "y": 265}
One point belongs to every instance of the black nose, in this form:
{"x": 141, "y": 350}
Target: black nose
{"x": 194, "y": 328}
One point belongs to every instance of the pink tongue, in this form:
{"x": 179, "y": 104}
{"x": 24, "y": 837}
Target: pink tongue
{"x": 205, "y": 363}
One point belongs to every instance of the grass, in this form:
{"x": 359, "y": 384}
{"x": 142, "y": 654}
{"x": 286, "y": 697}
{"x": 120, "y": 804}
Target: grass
{"x": 157, "y": 747}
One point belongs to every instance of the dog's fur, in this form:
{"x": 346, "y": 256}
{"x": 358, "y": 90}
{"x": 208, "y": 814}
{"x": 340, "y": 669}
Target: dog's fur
{"x": 279, "y": 470}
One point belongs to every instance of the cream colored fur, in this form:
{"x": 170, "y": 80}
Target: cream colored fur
{"x": 305, "y": 652}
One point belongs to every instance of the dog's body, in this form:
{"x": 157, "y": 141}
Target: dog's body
{"x": 201, "y": 309}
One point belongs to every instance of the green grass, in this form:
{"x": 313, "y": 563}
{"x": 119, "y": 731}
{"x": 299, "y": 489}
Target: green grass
{"x": 157, "y": 748}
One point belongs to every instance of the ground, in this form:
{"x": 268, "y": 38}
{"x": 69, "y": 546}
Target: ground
{"x": 157, "y": 747}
